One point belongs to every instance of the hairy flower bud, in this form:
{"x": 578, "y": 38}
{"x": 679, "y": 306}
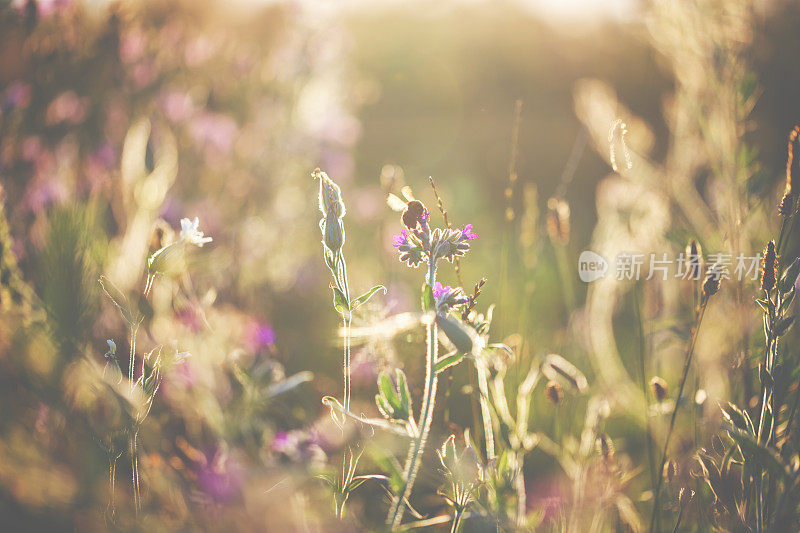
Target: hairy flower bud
{"x": 330, "y": 196}
{"x": 332, "y": 232}
{"x": 769, "y": 267}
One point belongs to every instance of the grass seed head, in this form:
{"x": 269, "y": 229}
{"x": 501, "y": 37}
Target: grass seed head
{"x": 769, "y": 267}
{"x": 712, "y": 281}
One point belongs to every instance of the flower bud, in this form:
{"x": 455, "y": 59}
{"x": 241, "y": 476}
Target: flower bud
{"x": 333, "y": 232}
{"x": 330, "y": 196}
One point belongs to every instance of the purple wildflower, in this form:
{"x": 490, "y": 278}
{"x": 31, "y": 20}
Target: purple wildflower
{"x": 439, "y": 291}
{"x": 400, "y": 240}
{"x": 259, "y": 335}
{"x": 467, "y": 233}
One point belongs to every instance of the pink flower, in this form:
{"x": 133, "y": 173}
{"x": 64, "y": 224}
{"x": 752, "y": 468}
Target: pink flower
{"x": 259, "y": 335}
{"x": 439, "y": 291}
{"x": 468, "y": 233}
{"x": 400, "y": 240}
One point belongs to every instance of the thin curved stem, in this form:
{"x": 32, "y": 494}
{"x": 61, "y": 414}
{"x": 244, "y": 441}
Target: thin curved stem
{"x": 417, "y": 446}
{"x": 686, "y": 365}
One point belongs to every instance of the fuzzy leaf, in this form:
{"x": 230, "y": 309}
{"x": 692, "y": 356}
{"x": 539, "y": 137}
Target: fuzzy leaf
{"x": 340, "y": 301}
{"x": 447, "y": 361}
{"x": 364, "y": 298}
{"x": 783, "y": 325}
{"x": 428, "y": 301}
{"x": 766, "y": 457}
{"x": 738, "y": 418}
{"x": 457, "y": 332}
{"x": 119, "y": 299}
{"x": 789, "y": 277}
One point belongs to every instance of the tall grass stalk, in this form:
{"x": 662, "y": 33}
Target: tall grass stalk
{"x": 655, "y": 518}
{"x": 417, "y": 447}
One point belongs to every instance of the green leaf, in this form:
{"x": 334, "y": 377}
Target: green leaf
{"x": 364, "y": 298}
{"x": 784, "y": 324}
{"x": 394, "y": 403}
{"x": 447, "y": 361}
{"x": 383, "y": 406}
{"x": 764, "y": 456}
{"x": 428, "y": 301}
{"x": 340, "y": 301}
{"x": 787, "y": 301}
{"x": 457, "y": 332}
{"x": 403, "y": 391}
{"x": 119, "y": 299}
{"x": 789, "y": 277}
{"x": 359, "y": 480}
{"x": 738, "y": 418}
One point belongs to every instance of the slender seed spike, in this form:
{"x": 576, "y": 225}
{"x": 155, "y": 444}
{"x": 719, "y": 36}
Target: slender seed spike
{"x": 769, "y": 267}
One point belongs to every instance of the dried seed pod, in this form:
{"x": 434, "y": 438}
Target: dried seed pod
{"x": 659, "y": 388}
{"x": 694, "y": 259}
{"x": 712, "y": 281}
{"x": 554, "y": 392}
{"x": 670, "y": 470}
{"x": 413, "y": 213}
{"x": 769, "y": 267}
{"x": 605, "y": 447}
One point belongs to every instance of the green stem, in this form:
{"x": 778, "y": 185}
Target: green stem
{"x": 456, "y": 521}
{"x": 642, "y": 371}
{"x": 483, "y": 387}
{"x": 346, "y": 319}
{"x": 417, "y": 446}
{"x": 686, "y": 365}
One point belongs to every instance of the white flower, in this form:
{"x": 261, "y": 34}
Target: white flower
{"x": 112, "y": 349}
{"x": 190, "y": 234}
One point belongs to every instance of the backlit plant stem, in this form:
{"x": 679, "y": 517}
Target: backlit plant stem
{"x": 417, "y": 447}
{"x": 341, "y": 267}
{"x": 686, "y": 366}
